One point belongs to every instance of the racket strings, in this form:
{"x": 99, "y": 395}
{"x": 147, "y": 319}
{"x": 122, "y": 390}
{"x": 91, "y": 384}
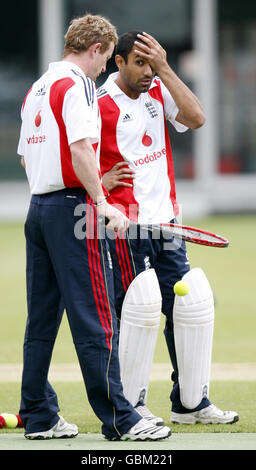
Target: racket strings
{"x": 194, "y": 235}
{"x": 201, "y": 236}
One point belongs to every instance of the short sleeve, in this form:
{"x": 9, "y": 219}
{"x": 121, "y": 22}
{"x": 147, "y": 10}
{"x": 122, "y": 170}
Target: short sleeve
{"x": 80, "y": 111}
{"x": 171, "y": 109}
{"x": 20, "y": 150}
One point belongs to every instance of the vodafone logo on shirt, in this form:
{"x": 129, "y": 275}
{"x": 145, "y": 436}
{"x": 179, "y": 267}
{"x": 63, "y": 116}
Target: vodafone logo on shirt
{"x": 38, "y": 119}
{"x": 150, "y": 158}
{"x": 147, "y": 142}
{"x": 37, "y": 139}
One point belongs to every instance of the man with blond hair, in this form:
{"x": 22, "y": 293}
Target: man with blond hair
{"x": 59, "y": 127}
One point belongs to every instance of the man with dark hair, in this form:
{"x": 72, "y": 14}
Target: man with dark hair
{"x": 137, "y": 168}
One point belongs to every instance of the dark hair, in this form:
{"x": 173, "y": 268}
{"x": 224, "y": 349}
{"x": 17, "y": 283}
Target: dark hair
{"x": 125, "y": 43}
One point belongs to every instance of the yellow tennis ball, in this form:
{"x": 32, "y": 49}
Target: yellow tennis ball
{"x": 11, "y": 421}
{"x": 181, "y": 288}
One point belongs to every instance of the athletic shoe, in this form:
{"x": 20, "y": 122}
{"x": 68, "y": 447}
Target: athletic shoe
{"x": 62, "y": 429}
{"x": 209, "y": 415}
{"x": 146, "y": 413}
{"x": 145, "y": 431}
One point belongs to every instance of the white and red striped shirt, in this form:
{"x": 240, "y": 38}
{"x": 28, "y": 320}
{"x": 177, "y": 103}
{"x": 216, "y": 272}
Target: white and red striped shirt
{"x": 59, "y": 109}
{"x": 135, "y": 131}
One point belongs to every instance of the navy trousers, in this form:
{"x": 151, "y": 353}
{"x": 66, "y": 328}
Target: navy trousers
{"x": 66, "y": 269}
{"x": 141, "y": 250}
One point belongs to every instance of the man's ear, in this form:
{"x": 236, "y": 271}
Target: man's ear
{"x": 95, "y": 47}
{"x": 119, "y": 61}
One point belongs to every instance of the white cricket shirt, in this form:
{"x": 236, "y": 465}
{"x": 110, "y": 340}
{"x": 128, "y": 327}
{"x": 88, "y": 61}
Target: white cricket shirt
{"x": 59, "y": 109}
{"x": 135, "y": 131}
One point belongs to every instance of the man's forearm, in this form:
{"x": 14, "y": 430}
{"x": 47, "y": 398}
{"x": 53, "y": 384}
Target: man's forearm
{"x": 190, "y": 109}
{"x": 85, "y": 168}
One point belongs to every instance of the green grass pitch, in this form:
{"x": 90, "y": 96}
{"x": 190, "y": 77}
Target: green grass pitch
{"x": 231, "y": 272}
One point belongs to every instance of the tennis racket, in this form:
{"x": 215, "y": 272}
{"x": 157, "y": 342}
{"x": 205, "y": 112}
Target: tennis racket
{"x": 189, "y": 234}
{"x": 184, "y": 232}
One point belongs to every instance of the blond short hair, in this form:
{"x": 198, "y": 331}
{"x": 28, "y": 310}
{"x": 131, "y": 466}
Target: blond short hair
{"x": 88, "y": 30}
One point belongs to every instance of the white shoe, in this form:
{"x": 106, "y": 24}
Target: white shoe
{"x": 209, "y": 415}
{"x": 61, "y": 429}
{"x": 145, "y": 431}
{"x": 146, "y": 413}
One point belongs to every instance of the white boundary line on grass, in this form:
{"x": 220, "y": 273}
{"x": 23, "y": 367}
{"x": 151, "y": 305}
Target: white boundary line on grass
{"x": 160, "y": 371}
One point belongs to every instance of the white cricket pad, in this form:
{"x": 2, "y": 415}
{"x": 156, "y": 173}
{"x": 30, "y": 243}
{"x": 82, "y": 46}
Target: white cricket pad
{"x": 193, "y": 318}
{"x": 140, "y": 318}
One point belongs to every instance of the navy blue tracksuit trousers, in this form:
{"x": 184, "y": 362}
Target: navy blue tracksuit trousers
{"x": 62, "y": 266}
{"x": 141, "y": 250}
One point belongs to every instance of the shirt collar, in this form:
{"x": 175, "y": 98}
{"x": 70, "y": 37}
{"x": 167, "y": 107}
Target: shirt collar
{"x": 66, "y": 65}
{"x": 114, "y": 90}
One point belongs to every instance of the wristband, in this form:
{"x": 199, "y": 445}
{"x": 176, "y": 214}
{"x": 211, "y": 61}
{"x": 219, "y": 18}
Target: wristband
{"x": 101, "y": 202}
